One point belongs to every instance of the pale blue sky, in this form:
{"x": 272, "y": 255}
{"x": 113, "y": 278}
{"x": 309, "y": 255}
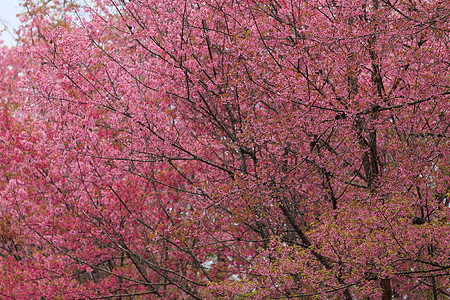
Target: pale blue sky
{"x": 8, "y": 11}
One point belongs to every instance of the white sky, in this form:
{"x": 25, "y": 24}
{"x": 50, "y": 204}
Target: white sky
{"x": 8, "y": 11}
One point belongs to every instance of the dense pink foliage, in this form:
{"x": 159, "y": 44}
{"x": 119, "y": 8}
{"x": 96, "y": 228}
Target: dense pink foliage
{"x": 184, "y": 149}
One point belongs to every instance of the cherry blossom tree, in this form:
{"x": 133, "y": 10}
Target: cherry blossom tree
{"x": 227, "y": 149}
